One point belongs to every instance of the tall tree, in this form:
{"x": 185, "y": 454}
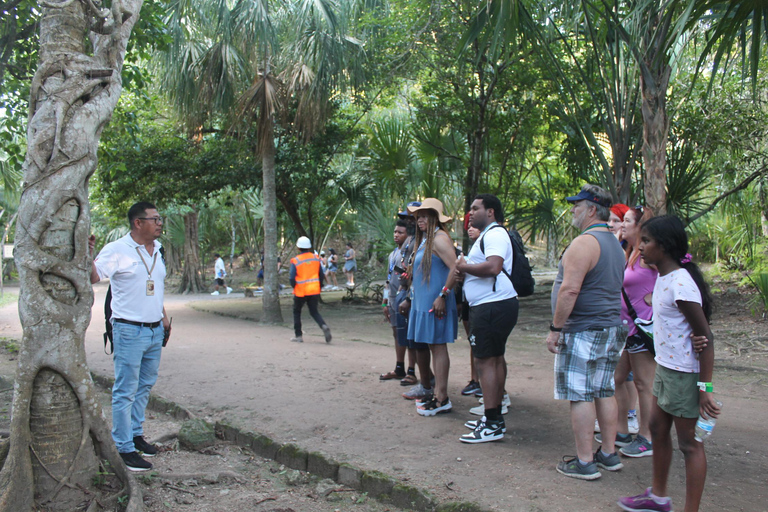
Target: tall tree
{"x": 73, "y": 94}
{"x": 261, "y": 65}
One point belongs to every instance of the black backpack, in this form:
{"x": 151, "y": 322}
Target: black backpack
{"x": 522, "y": 276}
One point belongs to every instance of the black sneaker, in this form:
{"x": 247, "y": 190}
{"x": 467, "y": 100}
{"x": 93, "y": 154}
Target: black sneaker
{"x": 470, "y": 388}
{"x": 484, "y": 432}
{"x": 472, "y": 424}
{"x": 144, "y": 447}
{"x": 134, "y": 462}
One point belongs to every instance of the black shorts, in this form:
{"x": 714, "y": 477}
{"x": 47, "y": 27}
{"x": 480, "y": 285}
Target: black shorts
{"x": 219, "y": 281}
{"x": 464, "y": 311}
{"x": 490, "y": 325}
{"x": 636, "y": 344}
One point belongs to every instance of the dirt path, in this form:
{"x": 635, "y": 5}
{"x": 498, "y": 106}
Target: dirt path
{"x": 328, "y": 398}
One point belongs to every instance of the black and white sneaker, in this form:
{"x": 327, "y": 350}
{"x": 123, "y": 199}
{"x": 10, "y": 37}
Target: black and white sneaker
{"x": 472, "y": 424}
{"x": 148, "y": 450}
{"x": 483, "y": 433}
{"x": 434, "y": 407}
{"x": 134, "y": 462}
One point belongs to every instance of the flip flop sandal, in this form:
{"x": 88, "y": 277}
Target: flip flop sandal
{"x": 390, "y": 375}
{"x": 409, "y": 380}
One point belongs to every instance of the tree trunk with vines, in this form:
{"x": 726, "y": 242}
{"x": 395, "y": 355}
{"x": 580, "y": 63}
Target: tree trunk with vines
{"x": 58, "y": 431}
{"x": 192, "y": 278}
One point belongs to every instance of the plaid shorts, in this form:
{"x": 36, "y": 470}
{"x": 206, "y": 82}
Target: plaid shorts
{"x": 585, "y": 363}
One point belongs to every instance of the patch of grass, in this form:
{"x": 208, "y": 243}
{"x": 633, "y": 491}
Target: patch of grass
{"x": 8, "y": 298}
{"x": 10, "y": 345}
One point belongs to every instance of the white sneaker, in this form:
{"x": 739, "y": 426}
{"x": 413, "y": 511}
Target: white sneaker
{"x": 229, "y": 290}
{"x": 597, "y": 426}
{"x": 634, "y": 425}
{"x": 504, "y": 401}
{"x": 215, "y": 293}
{"x": 480, "y": 410}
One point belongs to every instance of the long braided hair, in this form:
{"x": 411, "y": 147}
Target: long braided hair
{"x": 429, "y": 234}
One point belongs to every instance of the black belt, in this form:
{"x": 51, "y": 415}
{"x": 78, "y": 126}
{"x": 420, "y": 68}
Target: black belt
{"x": 151, "y": 325}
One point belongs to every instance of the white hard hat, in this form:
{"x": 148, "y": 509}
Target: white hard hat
{"x": 303, "y": 243}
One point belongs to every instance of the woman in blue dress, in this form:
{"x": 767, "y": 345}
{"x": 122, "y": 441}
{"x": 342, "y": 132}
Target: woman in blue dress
{"x": 431, "y": 309}
{"x": 350, "y": 265}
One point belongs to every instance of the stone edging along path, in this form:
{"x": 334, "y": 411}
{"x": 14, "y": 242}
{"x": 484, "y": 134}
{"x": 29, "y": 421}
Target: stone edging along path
{"x": 377, "y": 485}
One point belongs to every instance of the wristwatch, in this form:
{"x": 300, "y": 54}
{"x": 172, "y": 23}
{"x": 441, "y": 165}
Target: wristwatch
{"x": 555, "y": 329}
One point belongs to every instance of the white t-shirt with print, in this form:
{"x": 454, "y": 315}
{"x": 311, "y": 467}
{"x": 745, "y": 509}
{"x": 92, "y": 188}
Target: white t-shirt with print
{"x": 671, "y": 331}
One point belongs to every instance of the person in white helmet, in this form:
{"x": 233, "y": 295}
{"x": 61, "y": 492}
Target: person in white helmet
{"x": 307, "y": 280}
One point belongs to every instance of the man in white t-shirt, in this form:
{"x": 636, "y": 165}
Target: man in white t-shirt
{"x": 493, "y": 311}
{"x": 136, "y": 271}
{"x": 220, "y": 271}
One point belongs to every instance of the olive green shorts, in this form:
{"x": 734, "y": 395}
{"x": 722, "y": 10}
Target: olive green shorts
{"x": 676, "y": 392}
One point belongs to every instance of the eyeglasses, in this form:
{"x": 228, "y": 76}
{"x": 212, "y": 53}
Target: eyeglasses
{"x": 156, "y": 220}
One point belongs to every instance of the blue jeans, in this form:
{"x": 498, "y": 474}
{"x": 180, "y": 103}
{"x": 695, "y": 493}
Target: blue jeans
{"x": 137, "y": 359}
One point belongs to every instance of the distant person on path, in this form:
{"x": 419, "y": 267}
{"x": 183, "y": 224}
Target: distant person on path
{"x": 307, "y": 281}
{"x": 220, "y": 271}
{"x": 333, "y": 267}
{"x": 431, "y": 309}
{"x": 586, "y": 333}
{"x": 260, "y": 275}
{"x": 493, "y": 309}
{"x": 682, "y": 386}
{"x": 393, "y": 316}
{"x": 350, "y": 265}
{"x": 140, "y": 327}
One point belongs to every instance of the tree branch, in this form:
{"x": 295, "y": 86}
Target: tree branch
{"x": 741, "y": 186}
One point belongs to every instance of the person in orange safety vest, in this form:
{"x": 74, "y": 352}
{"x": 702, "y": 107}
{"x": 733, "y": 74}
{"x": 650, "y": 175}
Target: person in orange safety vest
{"x": 307, "y": 280}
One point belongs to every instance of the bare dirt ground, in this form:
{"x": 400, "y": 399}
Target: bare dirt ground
{"x": 327, "y": 397}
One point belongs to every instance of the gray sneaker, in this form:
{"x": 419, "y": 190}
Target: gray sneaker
{"x": 297, "y": 339}
{"x": 327, "y": 332}
{"x": 610, "y": 462}
{"x": 574, "y": 469}
{"x": 640, "y": 447}
{"x": 417, "y": 391}
{"x": 621, "y": 439}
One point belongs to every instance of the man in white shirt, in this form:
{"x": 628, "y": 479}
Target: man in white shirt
{"x": 136, "y": 271}
{"x": 221, "y": 272}
{"x": 493, "y": 311}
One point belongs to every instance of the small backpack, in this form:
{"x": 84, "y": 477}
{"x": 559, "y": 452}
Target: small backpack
{"x": 522, "y": 276}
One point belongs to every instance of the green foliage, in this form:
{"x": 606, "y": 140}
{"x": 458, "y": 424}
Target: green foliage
{"x": 760, "y": 282}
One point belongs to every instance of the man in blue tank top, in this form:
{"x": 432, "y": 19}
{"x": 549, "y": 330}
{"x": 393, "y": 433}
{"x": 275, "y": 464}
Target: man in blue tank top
{"x": 586, "y": 334}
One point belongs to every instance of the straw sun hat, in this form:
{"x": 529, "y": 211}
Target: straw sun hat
{"x": 433, "y": 204}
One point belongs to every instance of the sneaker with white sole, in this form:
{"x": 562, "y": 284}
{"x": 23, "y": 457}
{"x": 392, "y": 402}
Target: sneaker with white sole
{"x": 597, "y": 427}
{"x": 434, "y": 407}
{"x": 484, "y": 432}
{"x": 640, "y": 447}
{"x": 426, "y": 398}
{"x": 416, "y": 392}
{"x": 480, "y": 410}
{"x": 470, "y": 388}
{"x": 215, "y": 292}
{"x": 574, "y": 469}
{"x": 472, "y": 424}
{"x": 134, "y": 462}
{"x": 621, "y": 439}
{"x": 645, "y": 503}
{"x": 610, "y": 462}
{"x": 229, "y": 290}
{"x": 504, "y": 401}
{"x": 633, "y": 424}
{"x": 297, "y": 339}
{"x": 141, "y": 445}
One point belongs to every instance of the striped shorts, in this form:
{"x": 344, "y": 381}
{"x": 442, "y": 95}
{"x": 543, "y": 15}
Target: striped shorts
{"x": 585, "y": 363}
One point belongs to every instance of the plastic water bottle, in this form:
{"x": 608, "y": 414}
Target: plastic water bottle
{"x": 705, "y": 425}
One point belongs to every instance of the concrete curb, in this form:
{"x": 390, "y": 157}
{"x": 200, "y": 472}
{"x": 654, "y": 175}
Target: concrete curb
{"x": 378, "y": 485}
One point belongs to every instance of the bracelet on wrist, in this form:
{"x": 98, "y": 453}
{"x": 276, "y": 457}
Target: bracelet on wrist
{"x": 552, "y": 328}
{"x": 705, "y": 386}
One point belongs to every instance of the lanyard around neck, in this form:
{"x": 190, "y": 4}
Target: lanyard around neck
{"x": 154, "y": 261}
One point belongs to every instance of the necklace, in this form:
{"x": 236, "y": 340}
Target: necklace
{"x": 595, "y": 226}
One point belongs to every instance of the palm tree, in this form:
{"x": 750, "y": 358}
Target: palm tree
{"x": 253, "y": 66}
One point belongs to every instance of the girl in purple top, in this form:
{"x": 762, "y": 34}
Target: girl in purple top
{"x": 639, "y": 279}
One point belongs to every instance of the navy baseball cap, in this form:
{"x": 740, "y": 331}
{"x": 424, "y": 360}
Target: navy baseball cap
{"x": 586, "y": 196}
{"x": 412, "y": 204}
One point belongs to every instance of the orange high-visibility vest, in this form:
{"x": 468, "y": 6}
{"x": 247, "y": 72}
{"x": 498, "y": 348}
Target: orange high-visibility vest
{"x": 307, "y": 274}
